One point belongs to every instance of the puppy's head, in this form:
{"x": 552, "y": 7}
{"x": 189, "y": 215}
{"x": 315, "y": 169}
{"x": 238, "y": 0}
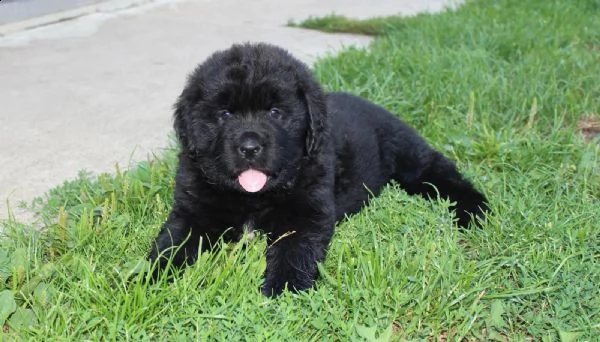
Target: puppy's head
{"x": 248, "y": 115}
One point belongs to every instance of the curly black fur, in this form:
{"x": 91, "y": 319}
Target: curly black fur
{"x": 323, "y": 153}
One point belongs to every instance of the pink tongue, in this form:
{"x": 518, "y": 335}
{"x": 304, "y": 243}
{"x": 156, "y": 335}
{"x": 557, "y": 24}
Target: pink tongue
{"x": 252, "y": 180}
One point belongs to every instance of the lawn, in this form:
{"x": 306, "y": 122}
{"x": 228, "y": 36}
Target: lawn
{"x": 502, "y": 87}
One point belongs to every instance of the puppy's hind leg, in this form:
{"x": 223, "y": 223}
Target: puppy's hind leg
{"x": 424, "y": 171}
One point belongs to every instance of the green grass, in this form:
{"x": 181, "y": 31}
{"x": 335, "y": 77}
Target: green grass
{"x": 338, "y": 24}
{"x": 498, "y": 86}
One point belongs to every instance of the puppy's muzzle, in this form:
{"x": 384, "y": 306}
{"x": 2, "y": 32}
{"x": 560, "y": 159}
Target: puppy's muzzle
{"x": 250, "y": 145}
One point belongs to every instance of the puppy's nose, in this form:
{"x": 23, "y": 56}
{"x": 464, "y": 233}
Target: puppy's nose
{"x": 250, "y": 147}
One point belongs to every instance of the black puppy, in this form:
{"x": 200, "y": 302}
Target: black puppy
{"x": 263, "y": 146}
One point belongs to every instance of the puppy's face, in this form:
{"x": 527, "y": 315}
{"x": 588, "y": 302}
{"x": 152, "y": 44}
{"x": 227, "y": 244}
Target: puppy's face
{"x": 244, "y": 116}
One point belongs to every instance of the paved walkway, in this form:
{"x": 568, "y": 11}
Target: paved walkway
{"x": 19, "y": 10}
{"x": 97, "y": 90}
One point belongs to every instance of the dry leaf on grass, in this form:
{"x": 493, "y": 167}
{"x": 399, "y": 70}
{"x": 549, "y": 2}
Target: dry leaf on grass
{"x": 589, "y": 126}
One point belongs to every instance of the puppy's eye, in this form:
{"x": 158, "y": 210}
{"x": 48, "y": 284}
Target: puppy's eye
{"x": 225, "y": 114}
{"x": 275, "y": 113}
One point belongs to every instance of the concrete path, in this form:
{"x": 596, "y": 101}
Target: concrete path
{"x": 97, "y": 90}
{"x": 20, "y": 10}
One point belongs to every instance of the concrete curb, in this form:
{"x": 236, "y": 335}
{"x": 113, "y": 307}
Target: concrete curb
{"x": 104, "y": 7}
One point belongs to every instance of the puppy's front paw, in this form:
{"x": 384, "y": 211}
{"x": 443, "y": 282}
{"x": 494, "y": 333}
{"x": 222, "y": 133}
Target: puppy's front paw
{"x": 471, "y": 212}
{"x": 269, "y": 289}
{"x": 274, "y": 287}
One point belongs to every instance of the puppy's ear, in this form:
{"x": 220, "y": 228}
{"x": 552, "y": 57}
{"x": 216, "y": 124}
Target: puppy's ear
{"x": 181, "y": 116}
{"x": 316, "y": 107}
{"x": 184, "y": 107}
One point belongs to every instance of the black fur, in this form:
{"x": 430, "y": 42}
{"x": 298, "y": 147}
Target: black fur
{"x": 323, "y": 154}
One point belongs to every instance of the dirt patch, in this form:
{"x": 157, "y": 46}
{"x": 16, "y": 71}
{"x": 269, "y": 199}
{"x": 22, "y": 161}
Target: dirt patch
{"x": 589, "y": 126}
